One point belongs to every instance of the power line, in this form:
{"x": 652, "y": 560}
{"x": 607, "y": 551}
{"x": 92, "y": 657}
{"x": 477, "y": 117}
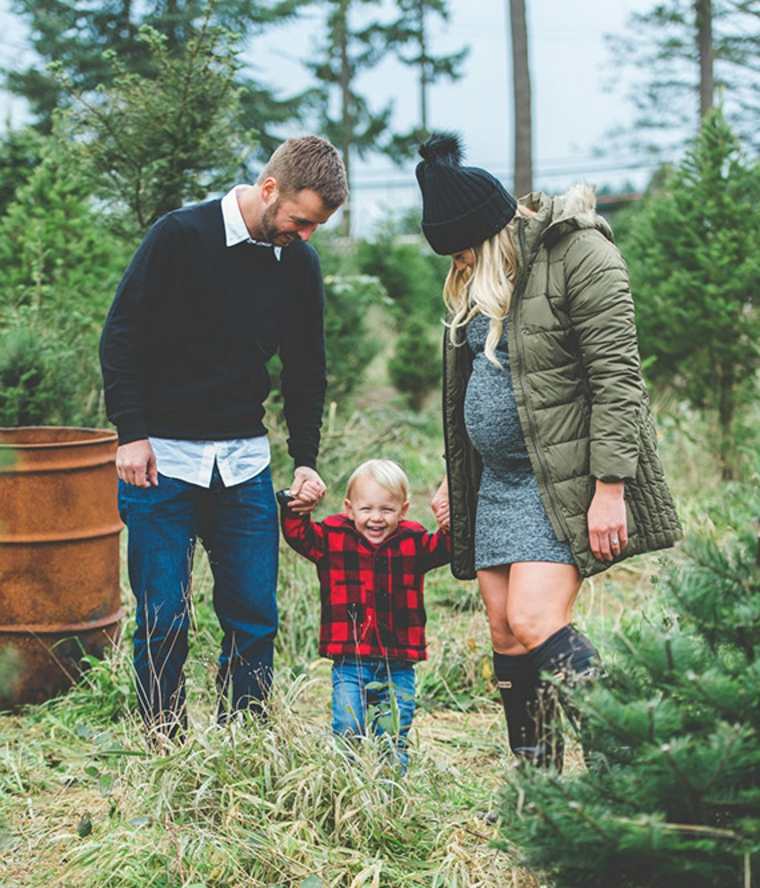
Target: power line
{"x": 369, "y": 185}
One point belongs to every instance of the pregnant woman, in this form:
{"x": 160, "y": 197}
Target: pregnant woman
{"x": 552, "y": 472}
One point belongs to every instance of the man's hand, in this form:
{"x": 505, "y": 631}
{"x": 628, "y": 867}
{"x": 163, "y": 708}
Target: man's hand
{"x": 136, "y": 464}
{"x": 440, "y": 505}
{"x": 607, "y": 523}
{"x": 307, "y": 489}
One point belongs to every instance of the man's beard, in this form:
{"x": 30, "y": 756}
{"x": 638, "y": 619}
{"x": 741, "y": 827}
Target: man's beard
{"x": 269, "y": 232}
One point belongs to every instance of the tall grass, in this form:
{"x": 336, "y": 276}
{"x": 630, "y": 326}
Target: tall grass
{"x": 84, "y": 802}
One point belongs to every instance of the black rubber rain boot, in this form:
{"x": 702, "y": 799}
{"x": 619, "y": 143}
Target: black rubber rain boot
{"x": 533, "y": 721}
{"x": 569, "y": 656}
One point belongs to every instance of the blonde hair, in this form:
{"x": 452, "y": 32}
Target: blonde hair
{"x": 309, "y": 162}
{"x": 386, "y": 473}
{"x": 487, "y": 288}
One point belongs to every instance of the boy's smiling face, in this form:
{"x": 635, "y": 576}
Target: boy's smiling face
{"x": 375, "y": 511}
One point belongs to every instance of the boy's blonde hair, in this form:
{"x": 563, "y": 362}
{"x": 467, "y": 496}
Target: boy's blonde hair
{"x": 384, "y": 472}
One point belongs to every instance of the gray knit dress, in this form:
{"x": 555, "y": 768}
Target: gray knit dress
{"x": 511, "y": 524}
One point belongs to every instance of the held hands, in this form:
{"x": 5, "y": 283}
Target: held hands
{"x": 136, "y": 464}
{"x": 440, "y": 505}
{"x": 607, "y": 525}
{"x": 307, "y": 489}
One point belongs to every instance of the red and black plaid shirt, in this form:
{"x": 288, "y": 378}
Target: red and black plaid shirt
{"x": 372, "y": 598}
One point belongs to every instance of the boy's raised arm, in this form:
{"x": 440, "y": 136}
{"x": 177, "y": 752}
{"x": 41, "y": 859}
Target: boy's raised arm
{"x": 307, "y": 537}
{"x": 434, "y": 549}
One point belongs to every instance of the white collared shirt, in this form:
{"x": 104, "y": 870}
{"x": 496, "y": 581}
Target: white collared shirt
{"x": 238, "y": 459}
{"x": 235, "y": 230}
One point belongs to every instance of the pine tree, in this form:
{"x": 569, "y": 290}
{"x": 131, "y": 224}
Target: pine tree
{"x": 346, "y": 51}
{"x": 695, "y": 272}
{"x": 664, "y": 49}
{"x": 59, "y": 264}
{"x": 673, "y": 799}
{"x": 78, "y": 38}
{"x": 20, "y": 152}
{"x": 157, "y": 141}
{"x": 410, "y": 33}
{"x": 415, "y": 367}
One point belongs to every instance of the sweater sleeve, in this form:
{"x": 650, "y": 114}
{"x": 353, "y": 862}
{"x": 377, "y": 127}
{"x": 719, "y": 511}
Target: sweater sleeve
{"x": 304, "y": 375}
{"x": 601, "y": 312}
{"x": 122, "y": 339}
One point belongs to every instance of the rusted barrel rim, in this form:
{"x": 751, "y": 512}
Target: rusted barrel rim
{"x": 103, "y": 436}
{"x": 59, "y": 628}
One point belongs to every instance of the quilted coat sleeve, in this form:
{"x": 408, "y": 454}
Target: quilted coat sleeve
{"x": 602, "y": 317}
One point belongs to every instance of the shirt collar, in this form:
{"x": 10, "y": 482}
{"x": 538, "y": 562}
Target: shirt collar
{"x": 235, "y": 230}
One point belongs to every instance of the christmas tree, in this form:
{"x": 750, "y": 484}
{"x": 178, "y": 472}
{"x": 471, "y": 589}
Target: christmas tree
{"x": 672, "y": 734}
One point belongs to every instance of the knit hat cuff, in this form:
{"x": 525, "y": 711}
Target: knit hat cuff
{"x": 473, "y": 227}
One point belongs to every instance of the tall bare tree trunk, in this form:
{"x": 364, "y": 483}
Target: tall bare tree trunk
{"x": 703, "y": 10}
{"x": 347, "y": 123}
{"x": 423, "y": 67}
{"x": 523, "y": 121}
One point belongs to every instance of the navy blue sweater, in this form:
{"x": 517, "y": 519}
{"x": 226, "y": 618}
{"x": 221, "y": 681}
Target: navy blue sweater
{"x": 192, "y": 326}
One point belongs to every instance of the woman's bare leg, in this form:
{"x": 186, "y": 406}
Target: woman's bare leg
{"x": 540, "y": 600}
{"x": 515, "y": 675}
{"x": 494, "y": 590}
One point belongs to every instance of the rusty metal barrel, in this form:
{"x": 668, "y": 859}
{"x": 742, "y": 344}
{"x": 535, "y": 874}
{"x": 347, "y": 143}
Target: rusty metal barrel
{"x": 59, "y": 557}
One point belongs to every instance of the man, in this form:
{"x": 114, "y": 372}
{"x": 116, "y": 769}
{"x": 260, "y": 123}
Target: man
{"x": 211, "y": 294}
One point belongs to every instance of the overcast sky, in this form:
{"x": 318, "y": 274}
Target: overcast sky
{"x": 570, "y": 65}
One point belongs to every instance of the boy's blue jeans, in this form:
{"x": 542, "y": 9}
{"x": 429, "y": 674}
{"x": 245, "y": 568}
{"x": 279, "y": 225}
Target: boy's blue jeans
{"x": 358, "y": 684}
{"x": 238, "y": 527}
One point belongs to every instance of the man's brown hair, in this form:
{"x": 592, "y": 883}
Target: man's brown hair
{"x": 309, "y": 162}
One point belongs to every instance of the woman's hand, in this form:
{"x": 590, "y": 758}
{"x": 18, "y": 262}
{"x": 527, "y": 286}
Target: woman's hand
{"x": 440, "y": 505}
{"x": 607, "y": 525}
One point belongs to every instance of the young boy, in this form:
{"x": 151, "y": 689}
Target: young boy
{"x": 371, "y": 564}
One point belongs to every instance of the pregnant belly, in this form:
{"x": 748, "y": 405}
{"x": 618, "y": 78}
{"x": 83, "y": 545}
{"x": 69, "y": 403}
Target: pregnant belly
{"x": 490, "y": 416}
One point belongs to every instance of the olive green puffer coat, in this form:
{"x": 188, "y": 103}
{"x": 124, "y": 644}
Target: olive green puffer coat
{"x": 581, "y": 400}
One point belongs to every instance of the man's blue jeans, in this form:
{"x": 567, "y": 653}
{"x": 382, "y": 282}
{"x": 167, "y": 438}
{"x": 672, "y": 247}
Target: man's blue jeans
{"x": 238, "y": 528}
{"x": 364, "y": 687}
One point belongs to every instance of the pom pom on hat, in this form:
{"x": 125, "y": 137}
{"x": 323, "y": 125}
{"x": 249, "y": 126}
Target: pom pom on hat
{"x": 443, "y": 147}
{"x": 462, "y": 206}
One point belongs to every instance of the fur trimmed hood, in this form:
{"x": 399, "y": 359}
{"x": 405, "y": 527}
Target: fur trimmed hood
{"x": 574, "y": 210}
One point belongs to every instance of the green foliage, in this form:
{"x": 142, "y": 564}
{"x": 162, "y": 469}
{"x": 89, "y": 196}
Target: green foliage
{"x": 60, "y": 264}
{"x": 695, "y": 272}
{"x": 33, "y": 390}
{"x": 413, "y": 279}
{"x": 673, "y": 798}
{"x": 57, "y": 253}
{"x": 415, "y": 367}
{"x": 351, "y": 341}
{"x": 79, "y": 38}
{"x": 409, "y": 33}
{"x": 20, "y": 152}
{"x": 343, "y": 54}
{"x": 412, "y": 275}
{"x": 659, "y": 49}
{"x": 459, "y": 674}
{"x": 344, "y": 115}
{"x": 156, "y": 141}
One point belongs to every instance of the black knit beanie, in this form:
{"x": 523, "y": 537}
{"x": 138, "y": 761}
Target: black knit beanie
{"x": 461, "y": 206}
